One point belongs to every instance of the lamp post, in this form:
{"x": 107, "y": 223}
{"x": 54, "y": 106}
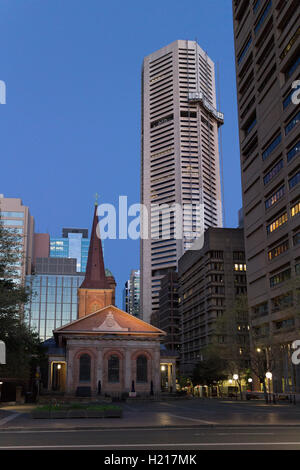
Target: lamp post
{"x": 235, "y": 378}
{"x": 250, "y": 380}
{"x": 162, "y": 368}
{"x": 1, "y": 383}
{"x": 269, "y": 377}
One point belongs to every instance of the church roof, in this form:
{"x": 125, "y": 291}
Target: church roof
{"x": 110, "y": 320}
{"x": 95, "y": 277}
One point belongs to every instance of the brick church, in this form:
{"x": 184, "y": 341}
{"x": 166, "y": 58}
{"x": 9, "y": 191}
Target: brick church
{"x": 106, "y": 350}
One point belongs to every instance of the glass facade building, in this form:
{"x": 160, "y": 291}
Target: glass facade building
{"x": 73, "y": 244}
{"x": 53, "y": 301}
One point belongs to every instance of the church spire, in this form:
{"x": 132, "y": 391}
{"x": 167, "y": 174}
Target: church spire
{"x": 95, "y": 271}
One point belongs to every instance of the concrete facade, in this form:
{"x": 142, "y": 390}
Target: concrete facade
{"x": 209, "y": 281}
{"x": 16, "y": 216}
{"x": 180, "y": 157}
{"x": 267, "y": 49}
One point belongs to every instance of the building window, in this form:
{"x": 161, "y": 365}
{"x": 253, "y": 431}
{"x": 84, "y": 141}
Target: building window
{"x": 256, "y": 6}
{"x": 12, "y": 214}
{"x": 280, "y": 277}
{"x": 293, "y": 151}
{"x": 294, "y": 180}
{"x": 289, "y": 323}
{"x": 295, "y": 209}
{"x": 277, "y": 223}
{"x": 244, "y": 51}
{"x": 296, "y": 239}
{"x": 240, "y": 267}
{"x": 141, "y": 369}
{"x": 293, "y": 67}
{"x": 272, "y": 173}
{"x": 278, "y": 250}
{"x": 114, "y": 369}
{"x": 263, "y": 17}
{"x": 274, "y": 198}
{"x": 271, "y": 147}
{"x": 260, "y": 310}
{"x": 85, "y": 368}
{"x": 282, "y": 302}
{"x": 292, "y": 123}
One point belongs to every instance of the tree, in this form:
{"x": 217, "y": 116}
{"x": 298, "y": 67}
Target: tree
{"x": 232, "y": 338}
{"x": 22, "y": 345}
{"x": 211, "y": 370}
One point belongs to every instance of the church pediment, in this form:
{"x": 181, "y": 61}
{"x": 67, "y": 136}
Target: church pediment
{"x": 110, "y": 324}
{"x": 110, "y": 320}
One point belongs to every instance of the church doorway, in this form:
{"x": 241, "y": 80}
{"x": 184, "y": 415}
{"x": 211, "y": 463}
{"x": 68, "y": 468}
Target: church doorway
{"x": 58, "y": 376}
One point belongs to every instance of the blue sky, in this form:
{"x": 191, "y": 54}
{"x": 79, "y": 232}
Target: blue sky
{"x": 71, "y": 125}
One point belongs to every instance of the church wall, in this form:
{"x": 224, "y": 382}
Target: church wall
{"x": 127, "y": 351}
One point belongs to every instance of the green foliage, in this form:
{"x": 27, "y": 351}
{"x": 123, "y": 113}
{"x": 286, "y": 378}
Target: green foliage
{"x": 211, "y": 370}
{"x": 22, "y": 345}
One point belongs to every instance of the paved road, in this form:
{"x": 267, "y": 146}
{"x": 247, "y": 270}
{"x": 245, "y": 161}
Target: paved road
{"x": 178, "y": 439}
{"x": 172, "y": 413}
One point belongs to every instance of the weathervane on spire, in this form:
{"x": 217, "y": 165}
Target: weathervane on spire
{"x": 96, "y": 199}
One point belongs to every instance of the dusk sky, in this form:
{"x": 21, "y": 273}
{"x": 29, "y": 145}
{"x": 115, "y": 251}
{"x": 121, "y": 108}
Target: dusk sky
{"x": 71, "y": 125}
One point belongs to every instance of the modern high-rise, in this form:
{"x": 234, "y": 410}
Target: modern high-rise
{"x": 210, "y": 280}
{"x": 74, "y": 243}
{"x": 131, "y": 294}
{"x": 180, "y": 159}
{"x": 15, "y": 216}
{"x": 267, "y": 50}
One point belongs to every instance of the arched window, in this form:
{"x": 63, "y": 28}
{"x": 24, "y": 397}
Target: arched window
{"x": 85, "y": 368}
{"x": 141, "y": 369}
{"x": 113, "y": 369}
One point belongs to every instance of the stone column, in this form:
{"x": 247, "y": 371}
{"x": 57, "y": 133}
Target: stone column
{"x": 99, "y": 371}
{"x": 174, "y": 376}
{"x": 127, "y": 371}
{"x": 156, "y": 371}
{"x": 169, "y": 378}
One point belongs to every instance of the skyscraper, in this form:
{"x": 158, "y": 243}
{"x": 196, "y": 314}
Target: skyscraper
{"x": 267, "y": 49}
{"x": 74, "y": 243}
{"x": 15, "y": 216}
{"x": 180, "y": 157}
{"x": 131, "y": 293}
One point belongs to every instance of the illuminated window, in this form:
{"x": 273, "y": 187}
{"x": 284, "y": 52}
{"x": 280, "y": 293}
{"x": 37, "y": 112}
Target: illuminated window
{"x": 278, "y": 250}
{"x": 295, "y": 209}
{"x": 277, "y": 223}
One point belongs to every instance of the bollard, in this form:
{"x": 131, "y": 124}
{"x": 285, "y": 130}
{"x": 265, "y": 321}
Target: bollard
{"x": 274, "y": 398}
{"x": 294, "y": 400}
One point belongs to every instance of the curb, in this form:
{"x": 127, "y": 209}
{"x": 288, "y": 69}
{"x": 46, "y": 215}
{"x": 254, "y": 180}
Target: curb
{"x": 120, "y": 428}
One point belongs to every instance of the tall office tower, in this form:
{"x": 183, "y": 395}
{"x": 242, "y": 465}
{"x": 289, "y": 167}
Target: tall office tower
{"x": 180, "y": 158}
{"x": 15, "y": 216}
{"x": 74, "y": 243}
{"x": 168, "y": 317}
{"x": 267, "y": 49}
{"x": 210, "y": 280}
{"x": 131, "y": 294}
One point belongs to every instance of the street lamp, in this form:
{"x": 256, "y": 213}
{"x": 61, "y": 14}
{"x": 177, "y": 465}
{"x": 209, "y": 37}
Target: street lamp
{"x": 235, "y": 378}
{"x": 269, "y": 377}
{"x": 1, "y": 383}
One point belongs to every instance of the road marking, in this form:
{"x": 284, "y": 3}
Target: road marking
{"x": 154, "y": 445}
{"x": 8, "y": 418}
{"x": 192, "y": 419}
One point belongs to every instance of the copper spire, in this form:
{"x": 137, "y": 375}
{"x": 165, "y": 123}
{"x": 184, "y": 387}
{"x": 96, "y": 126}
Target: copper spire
{"x": 95, "y": 272}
